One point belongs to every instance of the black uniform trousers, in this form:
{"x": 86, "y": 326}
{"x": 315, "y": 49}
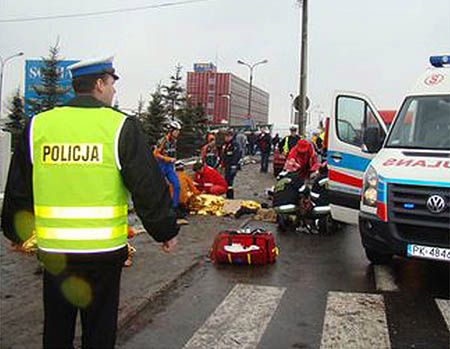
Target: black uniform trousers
{"x": 99, "y": 285}
{"x": 230, "y": 174}
{"x": 265, "y": 161}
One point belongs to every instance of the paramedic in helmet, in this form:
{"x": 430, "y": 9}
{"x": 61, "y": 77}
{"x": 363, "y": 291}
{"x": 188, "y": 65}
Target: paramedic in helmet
{"x": 165, "y": 153}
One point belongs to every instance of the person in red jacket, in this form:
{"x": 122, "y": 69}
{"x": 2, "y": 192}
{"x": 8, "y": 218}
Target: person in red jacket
{"x": 303, "y": 158}
{"x": 208, "y": 180}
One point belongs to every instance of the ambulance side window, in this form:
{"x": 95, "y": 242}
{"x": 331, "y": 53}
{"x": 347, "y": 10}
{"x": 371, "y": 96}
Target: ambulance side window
{"x": 374, "y": 135}
{"x": 371, "y": 122}
{"x": 350, "y": 116}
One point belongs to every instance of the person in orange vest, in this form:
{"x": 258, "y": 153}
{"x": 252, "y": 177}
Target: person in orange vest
{"x": 209, "y": 180}
{"x": 187, "y": 186}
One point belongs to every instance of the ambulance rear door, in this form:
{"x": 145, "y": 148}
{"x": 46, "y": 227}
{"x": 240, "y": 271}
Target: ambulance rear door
{"x": 356, "y": 134}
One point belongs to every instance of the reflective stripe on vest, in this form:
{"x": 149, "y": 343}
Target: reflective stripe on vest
{"x": 81, "y": 233}
{"x": 81, "y": 212}
{"x": 80, "y": 201}
{"x": 286, "y": 146}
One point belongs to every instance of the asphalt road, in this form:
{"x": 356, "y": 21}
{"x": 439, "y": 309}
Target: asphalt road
{"x": 321, "y": 293}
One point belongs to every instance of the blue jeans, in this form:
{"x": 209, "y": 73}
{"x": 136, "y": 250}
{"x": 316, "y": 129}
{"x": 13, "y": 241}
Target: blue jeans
{"x": 168, "y": 171}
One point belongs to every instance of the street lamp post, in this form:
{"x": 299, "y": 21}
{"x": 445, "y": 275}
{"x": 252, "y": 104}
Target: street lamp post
{"x": 2, "y": 66}
{"x": 251, "y": 66}
{"x": 303, "y": 67}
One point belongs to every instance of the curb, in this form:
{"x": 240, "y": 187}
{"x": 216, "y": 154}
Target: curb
{"x": 126, "y": 318}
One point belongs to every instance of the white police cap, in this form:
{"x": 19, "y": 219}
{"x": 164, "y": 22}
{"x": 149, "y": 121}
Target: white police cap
{"x": 94, "y": 66}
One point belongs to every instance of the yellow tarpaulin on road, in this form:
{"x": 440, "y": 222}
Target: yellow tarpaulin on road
{"x": 30, "y": 246}
{"x": 206, "y": 204}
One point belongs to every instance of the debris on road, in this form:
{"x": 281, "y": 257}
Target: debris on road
{"x": 266, "y": 215}
{"x": 207, "y": 204}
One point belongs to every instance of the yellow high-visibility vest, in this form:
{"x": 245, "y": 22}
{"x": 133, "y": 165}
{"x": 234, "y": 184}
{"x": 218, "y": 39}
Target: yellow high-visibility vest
{"x": 80, "y": 201}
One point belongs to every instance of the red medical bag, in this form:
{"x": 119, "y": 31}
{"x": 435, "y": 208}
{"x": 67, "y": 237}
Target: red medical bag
{"x": 244, "y": 247}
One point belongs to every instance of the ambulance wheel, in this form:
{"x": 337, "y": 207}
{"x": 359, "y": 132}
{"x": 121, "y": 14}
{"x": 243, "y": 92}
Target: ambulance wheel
{"x": 282, "y": 222}
{"x": 377, "y": 258}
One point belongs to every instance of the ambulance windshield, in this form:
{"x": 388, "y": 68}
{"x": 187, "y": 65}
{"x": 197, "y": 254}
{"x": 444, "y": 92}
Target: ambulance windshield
{"x": 423, "y": 122}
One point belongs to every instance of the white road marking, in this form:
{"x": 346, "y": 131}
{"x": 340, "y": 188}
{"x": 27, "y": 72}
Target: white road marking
{"x": 240, "y": 320}
{"x": 384, "y": 280}
{"x": 444, "y": 307}
{"x": 355, "y": 320}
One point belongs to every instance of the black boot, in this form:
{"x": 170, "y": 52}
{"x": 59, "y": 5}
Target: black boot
{"x": 230, "y": 193}
{"x": 181, "y": 214}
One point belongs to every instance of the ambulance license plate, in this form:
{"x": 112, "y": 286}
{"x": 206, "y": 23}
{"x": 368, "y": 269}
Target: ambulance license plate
{"x": 437, "y": 253}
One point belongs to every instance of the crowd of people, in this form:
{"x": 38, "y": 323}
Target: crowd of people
{"x": 221, "y": 158}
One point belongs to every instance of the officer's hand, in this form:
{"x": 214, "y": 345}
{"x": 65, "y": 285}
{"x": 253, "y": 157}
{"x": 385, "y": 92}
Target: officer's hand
{"x": 169, "y": 246}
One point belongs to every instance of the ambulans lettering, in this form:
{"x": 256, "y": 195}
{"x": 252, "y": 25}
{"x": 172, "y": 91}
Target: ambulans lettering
{"x": 389, "y": 162}
{"x": 420, "y": 163}
{"x": 417, "y": 163}
{"x": 83, "y": 153}
{"x": 403, "y": 162}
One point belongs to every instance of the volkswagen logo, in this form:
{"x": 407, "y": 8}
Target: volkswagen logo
{"x": 436, "y": 204}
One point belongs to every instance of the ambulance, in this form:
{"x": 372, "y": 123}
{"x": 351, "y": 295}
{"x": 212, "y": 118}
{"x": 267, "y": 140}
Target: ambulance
{"x": 395, "y": 184}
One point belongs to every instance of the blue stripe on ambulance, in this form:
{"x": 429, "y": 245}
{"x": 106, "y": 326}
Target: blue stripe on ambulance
{"x": 415, "y": 182}
{"x": 349, "y": 161}
{"x": 382, "y": 190}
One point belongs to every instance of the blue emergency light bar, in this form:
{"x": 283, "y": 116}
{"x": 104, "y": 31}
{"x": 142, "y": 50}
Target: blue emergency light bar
{"x": 439, "y": 61}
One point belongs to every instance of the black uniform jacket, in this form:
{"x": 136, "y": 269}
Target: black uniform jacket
{"x": 292, "y": 142}
{"x": 231, "y": 154}
{"x": 140, "y": 174}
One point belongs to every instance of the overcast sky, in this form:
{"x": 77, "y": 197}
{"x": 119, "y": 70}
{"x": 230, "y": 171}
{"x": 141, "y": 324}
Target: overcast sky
{"x": 374, "y": 47}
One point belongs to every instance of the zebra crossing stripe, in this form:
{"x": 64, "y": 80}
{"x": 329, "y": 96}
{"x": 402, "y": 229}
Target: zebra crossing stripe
{"x": 355, "y": 320}
{"x": 240, "y": 320}
{"x": 384, "y": 280}
{"x": 444, "y": 307}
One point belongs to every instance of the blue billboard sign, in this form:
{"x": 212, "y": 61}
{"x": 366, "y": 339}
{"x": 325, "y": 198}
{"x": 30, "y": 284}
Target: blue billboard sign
{"x": 33, "y": 77}
{"x": 204, "y": 67}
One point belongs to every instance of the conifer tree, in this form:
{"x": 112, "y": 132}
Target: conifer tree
{"x": 154, "y": 118}
{"x": 173, "y": 94}
{"x": 16, "y": 118}
{"x": 49, "y": 92}
{"x": 193, "y": 131}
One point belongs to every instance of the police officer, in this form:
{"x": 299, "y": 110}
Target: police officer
{"x": 290, "y": 141}
{"x": 165, "y": 153}
{"x": 69, "y": 181}
{"x": 231, "y": 155}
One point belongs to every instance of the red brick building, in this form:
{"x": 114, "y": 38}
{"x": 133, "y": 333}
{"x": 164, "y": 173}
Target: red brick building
{"x": 224, "y": 96}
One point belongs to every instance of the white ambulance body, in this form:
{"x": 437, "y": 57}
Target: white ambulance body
{"x": 396, "y": 183}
